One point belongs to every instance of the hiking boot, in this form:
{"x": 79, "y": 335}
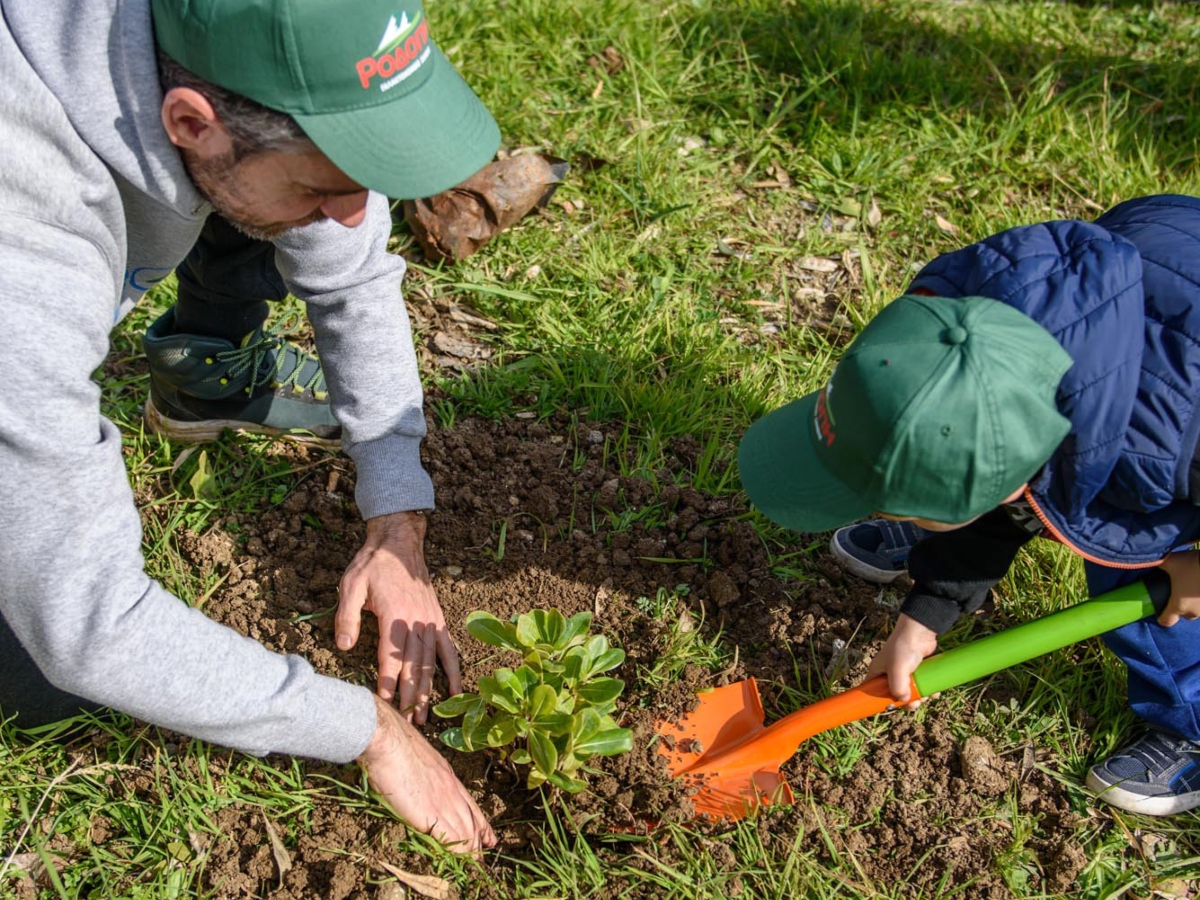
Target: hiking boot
{"x": 1156, "y": 776}
{"x": 200, "y": 386}
{"x": 877, "y": 550}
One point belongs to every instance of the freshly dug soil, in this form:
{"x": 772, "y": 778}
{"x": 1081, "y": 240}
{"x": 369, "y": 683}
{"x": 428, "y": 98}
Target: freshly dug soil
{"x": 535, "y": 514}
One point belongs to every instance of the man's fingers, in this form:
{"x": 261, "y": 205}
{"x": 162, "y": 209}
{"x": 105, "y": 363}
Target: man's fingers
{"x": 416, "y": 678}
{"x": 487, "y": 836}
{"x": 391, "y": 658}
{"x": 1167, "y": 618}
{"x": 352, "y": 597}
{"x": 448, "y": 654}
{"x": 425, "y": 682}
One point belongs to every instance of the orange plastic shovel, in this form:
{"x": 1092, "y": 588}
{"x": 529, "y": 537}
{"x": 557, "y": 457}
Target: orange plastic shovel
{"x": 723, "y": 749}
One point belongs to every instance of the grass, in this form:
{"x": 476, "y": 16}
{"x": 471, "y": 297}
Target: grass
{"x": 737, "y": 147}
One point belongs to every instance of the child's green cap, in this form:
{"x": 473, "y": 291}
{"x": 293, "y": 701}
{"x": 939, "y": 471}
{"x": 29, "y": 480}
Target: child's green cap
{"x": 940, "y": 409}
{"x": 364, "y": 80}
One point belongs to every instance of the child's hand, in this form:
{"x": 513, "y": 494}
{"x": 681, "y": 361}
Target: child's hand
{"x": 909, "y": 643}
{"x": 1184, "y": 569}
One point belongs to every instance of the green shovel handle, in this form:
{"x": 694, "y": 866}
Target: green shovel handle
{"x": 1032, "y": 639}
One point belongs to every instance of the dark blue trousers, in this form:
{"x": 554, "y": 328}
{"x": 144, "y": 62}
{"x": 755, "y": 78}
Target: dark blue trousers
{"x": 1163, "y": 663}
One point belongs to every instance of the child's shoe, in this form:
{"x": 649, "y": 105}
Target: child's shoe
{"x": 877, "y": 550}
{"x": 1156, "y": 776}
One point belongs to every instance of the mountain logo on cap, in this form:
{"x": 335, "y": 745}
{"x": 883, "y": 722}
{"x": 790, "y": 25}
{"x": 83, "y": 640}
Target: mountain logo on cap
{"x": 402, "y": 50}
{"x": 395, "y": 33}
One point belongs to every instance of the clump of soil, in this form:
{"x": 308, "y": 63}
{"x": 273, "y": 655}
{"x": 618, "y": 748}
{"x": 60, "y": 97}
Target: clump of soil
{"x": 530, "y": 514}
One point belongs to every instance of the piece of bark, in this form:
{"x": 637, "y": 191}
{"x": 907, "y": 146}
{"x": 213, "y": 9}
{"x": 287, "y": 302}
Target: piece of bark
{"x": 454, "y": 224}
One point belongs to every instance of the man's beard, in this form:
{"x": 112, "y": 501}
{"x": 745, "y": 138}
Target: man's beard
{"x": 216, "y": 183}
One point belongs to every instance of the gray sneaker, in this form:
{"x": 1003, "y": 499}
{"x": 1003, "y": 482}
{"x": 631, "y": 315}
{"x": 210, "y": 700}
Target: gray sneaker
{"x": 201, "y": 386}
{"x": 877, "y": 550}
{"x": 1156, "y": 776}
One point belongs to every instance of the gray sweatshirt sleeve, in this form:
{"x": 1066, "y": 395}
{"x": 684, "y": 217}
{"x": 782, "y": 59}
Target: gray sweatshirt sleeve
{"x": 72, "y": 582}
{"x": 351, "y": 285}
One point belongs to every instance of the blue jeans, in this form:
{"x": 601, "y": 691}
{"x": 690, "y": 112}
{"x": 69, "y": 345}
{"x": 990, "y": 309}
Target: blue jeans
{"x": 1163, "y": 663}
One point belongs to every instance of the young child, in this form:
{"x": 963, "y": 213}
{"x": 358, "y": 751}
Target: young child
{"x": 1044, "y": 381}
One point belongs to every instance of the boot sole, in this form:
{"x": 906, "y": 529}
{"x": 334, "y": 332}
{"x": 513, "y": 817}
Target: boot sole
{"x": 212, "y": 429}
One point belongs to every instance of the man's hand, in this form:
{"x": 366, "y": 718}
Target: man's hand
{"x": 388, "y": 577}
{"x": 909, "y": 643}
{"x": 420, "y": 785}
{"x": 1184, "y": 569}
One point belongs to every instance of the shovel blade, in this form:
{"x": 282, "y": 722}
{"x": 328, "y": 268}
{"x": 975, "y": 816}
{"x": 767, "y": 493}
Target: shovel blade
{"x": 737, "y": 797}
{"x": 724, "y": 716}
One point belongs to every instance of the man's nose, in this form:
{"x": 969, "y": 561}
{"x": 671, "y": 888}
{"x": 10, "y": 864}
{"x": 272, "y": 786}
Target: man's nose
{"x": 348, "y": 209}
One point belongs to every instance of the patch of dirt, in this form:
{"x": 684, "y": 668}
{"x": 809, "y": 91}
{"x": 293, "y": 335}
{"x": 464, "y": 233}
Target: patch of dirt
{"x": 527, "y": 517}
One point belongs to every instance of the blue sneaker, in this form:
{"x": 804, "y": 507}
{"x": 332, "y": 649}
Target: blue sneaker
{"x": 876, "y": 550}
{"x": 1156, "y": 776}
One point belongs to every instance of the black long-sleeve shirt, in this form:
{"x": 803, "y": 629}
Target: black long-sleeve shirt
{"x": 954, "y": 570}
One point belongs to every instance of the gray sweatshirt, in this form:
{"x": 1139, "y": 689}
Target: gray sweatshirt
{"x": 95, "y": 207}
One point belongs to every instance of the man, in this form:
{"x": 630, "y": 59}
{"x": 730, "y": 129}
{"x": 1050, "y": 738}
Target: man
{"x": 293, "y": 120}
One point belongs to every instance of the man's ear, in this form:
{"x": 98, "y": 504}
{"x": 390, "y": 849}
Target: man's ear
{"x": 192, "y": 123}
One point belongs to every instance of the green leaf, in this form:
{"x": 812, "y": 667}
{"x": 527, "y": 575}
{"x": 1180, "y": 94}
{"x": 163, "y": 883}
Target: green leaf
{"x": 502, "y": 733}
{"x": 554, "y": 626}
{"x": 595, "y": 647}
{"x": 521, "y": 757}
{"x": 574, "y": 664}
{"x": 515, "y": 687}
{"x": 473, "y": 716}
{"x": 535, "y": 779}
{"x": 553, "y": 723}
{"x": 542, "y": 700}
{"x": 527, "y": 633}
{"x": 600, "y": 691}
{"x": 476, "y": 738}
{"x": 454, "y": 706}
{"x": 610, "y": 659}
{"x": 585, "y": 723}
{"x": 493, "y": 692}
{"x": 606, "y": 743}
{"x": 575, "y": 629}
{"x": 453, "y": 737}
{"x": 544, "y": 753}
{"x": 526, "y": 678}
{"x": 569, "y": 763}
{"x": 566, "y": 782}
{"x": 203, "y": 482}
{"x": 485, "y": 627}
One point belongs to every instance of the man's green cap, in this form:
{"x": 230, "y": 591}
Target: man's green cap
{"x": 363, "y": 78}
{"x": 940, "y": 409}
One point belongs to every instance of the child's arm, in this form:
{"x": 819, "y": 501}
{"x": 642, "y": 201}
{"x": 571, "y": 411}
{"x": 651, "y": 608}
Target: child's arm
{"x": 953, "y": 571}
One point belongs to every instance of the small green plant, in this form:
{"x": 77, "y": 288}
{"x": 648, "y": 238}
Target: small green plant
{"x": 556, "y": 706}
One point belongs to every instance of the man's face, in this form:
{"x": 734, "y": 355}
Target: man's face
{"x": 266, "y": 194}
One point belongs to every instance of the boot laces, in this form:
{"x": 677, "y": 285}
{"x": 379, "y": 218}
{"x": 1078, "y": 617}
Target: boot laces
{"x": 270, "y": 358}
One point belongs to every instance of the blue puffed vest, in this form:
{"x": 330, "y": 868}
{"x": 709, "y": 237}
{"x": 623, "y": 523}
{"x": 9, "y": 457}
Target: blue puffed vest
{"x": 1122, "y": 296}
